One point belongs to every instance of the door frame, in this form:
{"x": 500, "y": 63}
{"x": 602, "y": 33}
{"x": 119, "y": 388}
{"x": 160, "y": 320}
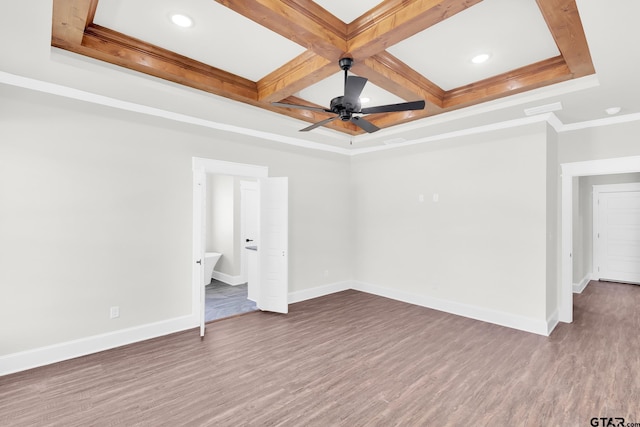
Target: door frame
{"x": 244, "y": 187}
{"x": 569, "y": 171}
{"x": 218, "y": 167}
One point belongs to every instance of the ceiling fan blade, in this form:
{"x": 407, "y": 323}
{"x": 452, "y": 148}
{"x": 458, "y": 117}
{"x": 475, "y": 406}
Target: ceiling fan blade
{"x": 353, "y": 89}
{"x": 405, "y": 106}
{"x": 315, "y": 125}
{"x": 362, "y": 123}
{"x": 301, "y": 107}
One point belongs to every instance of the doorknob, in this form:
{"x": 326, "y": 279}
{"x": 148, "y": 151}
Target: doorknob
{"x": 249, "y": 240}
{"x": 199, "y": 261}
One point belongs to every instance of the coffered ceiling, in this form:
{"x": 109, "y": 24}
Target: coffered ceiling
{"x": 261, "y": 51}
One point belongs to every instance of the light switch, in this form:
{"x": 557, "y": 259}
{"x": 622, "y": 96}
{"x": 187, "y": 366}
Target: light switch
{"x": 421, "y": 198}
{"x": 436, "y": 197}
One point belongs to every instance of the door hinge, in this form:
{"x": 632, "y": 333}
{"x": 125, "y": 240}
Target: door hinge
{"x": 598, "y": 235}
{"x": 598, "y": 269}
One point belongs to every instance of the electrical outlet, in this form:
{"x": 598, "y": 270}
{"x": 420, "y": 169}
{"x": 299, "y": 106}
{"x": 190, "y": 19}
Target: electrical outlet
{"x": 114, "y": 312}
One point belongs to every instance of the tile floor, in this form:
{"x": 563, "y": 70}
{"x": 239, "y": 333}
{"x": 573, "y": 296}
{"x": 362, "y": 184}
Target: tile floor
{"x": 222, "y": 300}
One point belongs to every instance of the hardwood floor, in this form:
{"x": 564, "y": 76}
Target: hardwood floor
{"x": 352, "y": 359}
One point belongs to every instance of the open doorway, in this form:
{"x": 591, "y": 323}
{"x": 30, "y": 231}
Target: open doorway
{"x": 232, "y": 221}
{"x": 270, "y": 258}
{"x": 570, "y": 171}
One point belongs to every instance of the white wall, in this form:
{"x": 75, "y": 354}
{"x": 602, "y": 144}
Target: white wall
{"x": 96, "y": 211}
{"x": 221, "y": 218}
{"x": 483, "y": 244}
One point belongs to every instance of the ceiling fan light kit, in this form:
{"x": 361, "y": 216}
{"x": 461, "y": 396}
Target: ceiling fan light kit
{"x": 348, "y": 107}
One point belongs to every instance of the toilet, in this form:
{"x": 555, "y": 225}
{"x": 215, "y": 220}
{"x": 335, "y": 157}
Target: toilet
{"x": 210, "y": 261}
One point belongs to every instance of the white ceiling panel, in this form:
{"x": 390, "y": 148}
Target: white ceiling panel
{"x": 219, "y": 37}
{"x": 348, "y": 11}
{"x": 512, "y": 32}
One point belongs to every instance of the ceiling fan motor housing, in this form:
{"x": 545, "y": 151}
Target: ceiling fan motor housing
{"x": 345, "y": 63}
{"x": 344, "y": 110}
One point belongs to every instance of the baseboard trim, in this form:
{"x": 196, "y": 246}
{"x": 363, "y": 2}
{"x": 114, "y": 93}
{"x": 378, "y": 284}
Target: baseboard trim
{"x": 29, "y": 359}
{"x": 578, "y": 288}
{"x": 509, "y": 320}
{"x": 318, "y": 291}
{"x": 227, "y": 278}
{"x": 552, "y": 321}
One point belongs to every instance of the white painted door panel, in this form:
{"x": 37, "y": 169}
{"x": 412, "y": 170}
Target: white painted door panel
{"x": 619, "y": 236}
{"x": 200, "y": 227}
{"x": 273, "y": 252}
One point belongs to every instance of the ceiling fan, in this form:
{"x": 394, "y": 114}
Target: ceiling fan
{"x": 346, "y": 106}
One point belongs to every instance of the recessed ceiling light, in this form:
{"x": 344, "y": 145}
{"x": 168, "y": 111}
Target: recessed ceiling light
{"x": 479, "y": 59}
{"x": 181, "y": 20}
{"x": 613, "y": 110}
{"x": 364, "y": 100}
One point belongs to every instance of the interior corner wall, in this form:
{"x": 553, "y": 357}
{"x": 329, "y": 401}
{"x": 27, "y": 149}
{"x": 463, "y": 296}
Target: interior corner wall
{"x": 482, "y": 244}
{"x": 96, "y": 210}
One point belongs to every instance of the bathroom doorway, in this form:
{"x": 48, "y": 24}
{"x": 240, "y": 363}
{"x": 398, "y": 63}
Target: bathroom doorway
{"x": 270, "y": 260}
{"x": 232, "y": 220}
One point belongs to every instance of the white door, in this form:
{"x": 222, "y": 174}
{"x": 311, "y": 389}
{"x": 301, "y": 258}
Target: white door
{"x": 273, "y": 252}
{"x": 617, "y": 237}
{"x": 200, "y": 240}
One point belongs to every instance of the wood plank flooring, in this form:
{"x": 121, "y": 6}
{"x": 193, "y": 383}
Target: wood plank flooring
{"x": 352, "y": 359}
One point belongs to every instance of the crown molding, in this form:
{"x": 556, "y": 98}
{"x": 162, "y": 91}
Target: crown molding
{"x": 550, "y": 118}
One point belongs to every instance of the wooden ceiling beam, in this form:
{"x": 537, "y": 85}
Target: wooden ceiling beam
{"x": 317, "y": 33}
{"x": 70, "y": 19}
{"x": 530, "y": 77}
{"x": 402, "y": 20}
{"x": 303, "y": 71}
{"x": 116, "y": 48}
{"x": 309, "y": 25}
{"x": 389, "y": 73}
{"x": 564, "y": 22}
{"x": 327, "y": 39}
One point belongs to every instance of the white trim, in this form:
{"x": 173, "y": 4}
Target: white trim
{"x": 569, "y": 171}
{"x": 21, "y": 361}
{"x": 81, "y": 95}
{"x": 458, "y": 133}
{"x": 227, "y": 278}
{"x": 579, "y": 287}
{"x": 29, "y": 359}
{"x": 552, "y": 322}
{"x": 318, "y": 291}
{"x": 510, "y": 101}
{"x": 527, "y": 324}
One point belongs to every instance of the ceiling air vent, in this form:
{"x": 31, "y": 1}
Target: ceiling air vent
{"x": 556, "y": 106}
